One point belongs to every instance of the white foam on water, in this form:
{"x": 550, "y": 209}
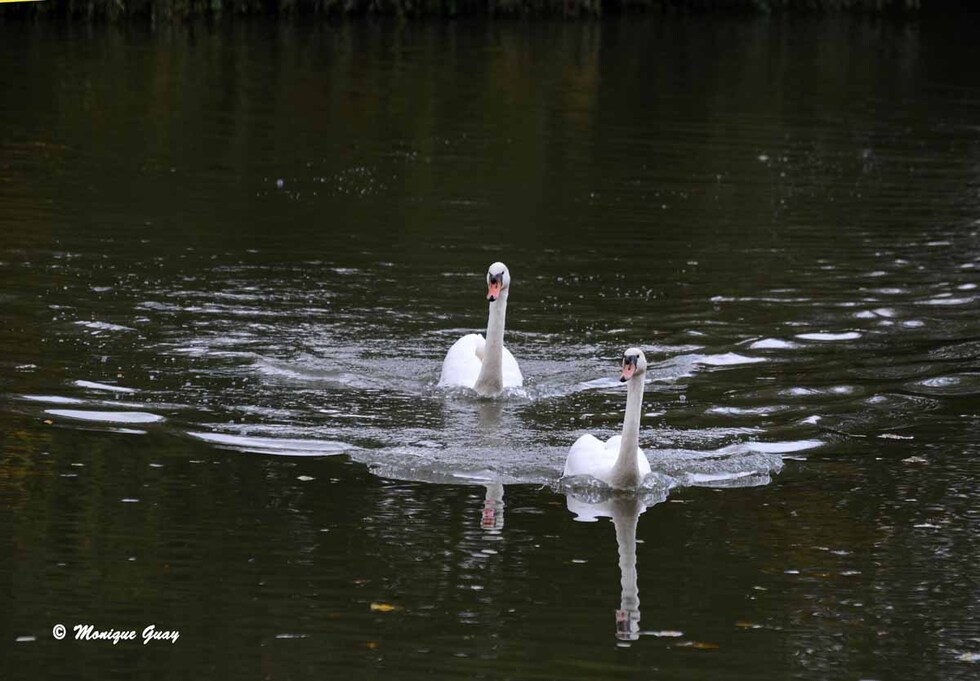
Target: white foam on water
{"x": 103, "y": 326}
{"x": 744, "y": 411}
{"x": 947, "y": 301}
{"x": 274, "y": 446}
{"x": 773, "y": 344}
{"x": 106, "y": 416}
{"x": 736, "y": 465}
{"x": 92, "y": 385}
{"x": 781, "y": 447}
{"x": 847, "y": 335}
{"x": 728, "y": 359}
{"x": 712, "y": 478}
{"x": 597, "y": 383}
{"x": 52, "y": 399}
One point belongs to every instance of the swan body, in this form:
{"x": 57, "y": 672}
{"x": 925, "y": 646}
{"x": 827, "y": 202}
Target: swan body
{"x": 465, "y": 360}
{"x": 619, "y": 462}
{"x": 484, "y": 364}
{"x": 591, "y": 456}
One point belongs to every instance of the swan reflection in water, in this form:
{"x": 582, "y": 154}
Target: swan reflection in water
{"x": 492, "y": 515}
{"x": 624, "y": 511}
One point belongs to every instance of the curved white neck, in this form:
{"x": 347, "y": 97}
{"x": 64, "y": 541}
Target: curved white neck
{"x": 491, "y": 379}
{"x": 626, "y": 470}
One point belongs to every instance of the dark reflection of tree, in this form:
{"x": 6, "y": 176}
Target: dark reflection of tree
{"x": 176, "y": 10}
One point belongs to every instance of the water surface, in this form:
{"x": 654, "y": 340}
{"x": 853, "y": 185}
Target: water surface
{"x": 232, "y": 259}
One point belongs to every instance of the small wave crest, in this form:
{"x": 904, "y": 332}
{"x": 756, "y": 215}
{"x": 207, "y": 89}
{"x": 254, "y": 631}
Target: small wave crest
{"x": 274, "y": 446}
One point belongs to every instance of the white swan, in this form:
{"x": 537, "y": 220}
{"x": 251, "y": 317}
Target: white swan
{"x": 619, "y": 462}
{"x": 485, "y": 365}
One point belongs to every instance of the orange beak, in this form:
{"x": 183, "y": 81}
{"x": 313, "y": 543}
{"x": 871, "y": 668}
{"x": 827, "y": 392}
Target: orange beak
{"x": 628, "y": 371}
{"x": 493, "y": 290}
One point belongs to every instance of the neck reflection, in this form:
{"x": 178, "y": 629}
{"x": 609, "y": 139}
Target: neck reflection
{"x": 492, "y": 514}
{"x": 624, "y": 511}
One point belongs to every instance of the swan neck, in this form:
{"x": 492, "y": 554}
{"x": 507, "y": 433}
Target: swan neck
{"x": 626, "y": 470}
{"x": 491, "y": 379}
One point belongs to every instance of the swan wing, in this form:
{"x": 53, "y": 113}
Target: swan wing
{"x": 643, "y": 463}
{"x": 463, "y": 362}
{"x": 481, "y": 346}
{"x": 589, "y": 456}
{"x": 511, "y": 371}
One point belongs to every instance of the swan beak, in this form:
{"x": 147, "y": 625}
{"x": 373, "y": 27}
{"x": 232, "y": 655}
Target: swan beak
{"x": 628, "y": 370}
{"x": 493, "y": 290}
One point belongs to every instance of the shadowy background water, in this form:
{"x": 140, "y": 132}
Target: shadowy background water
{"x": 233, "y": 257}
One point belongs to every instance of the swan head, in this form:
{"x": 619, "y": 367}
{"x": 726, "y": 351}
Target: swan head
{"x": 634, "y": 364}
{"x": 498, "y": 280}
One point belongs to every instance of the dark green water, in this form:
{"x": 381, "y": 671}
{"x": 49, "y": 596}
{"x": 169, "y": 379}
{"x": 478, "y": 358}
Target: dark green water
{"x": 232, "y": 260}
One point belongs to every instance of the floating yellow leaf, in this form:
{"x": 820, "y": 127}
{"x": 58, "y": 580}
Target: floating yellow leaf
{"x": 384, "y": 607}
{"x": 698, "y": 645}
